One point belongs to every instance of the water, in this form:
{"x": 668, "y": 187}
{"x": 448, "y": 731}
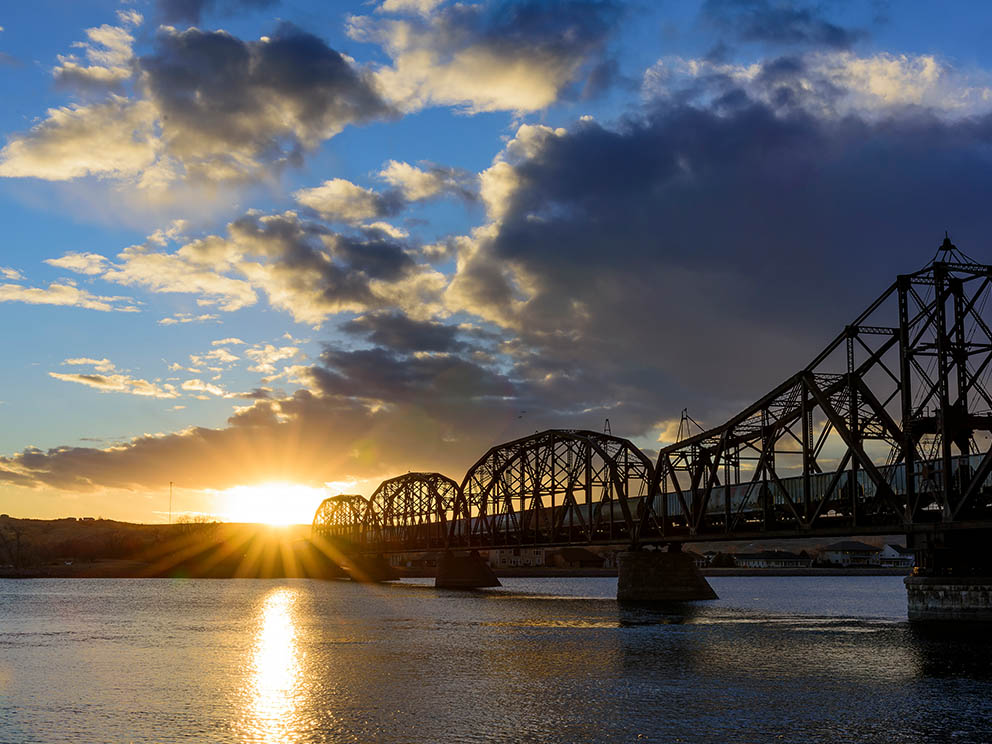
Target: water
{"x": 796, "y": 659}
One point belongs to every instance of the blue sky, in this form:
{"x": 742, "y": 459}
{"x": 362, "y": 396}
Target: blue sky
{"x": 251, "y": 242}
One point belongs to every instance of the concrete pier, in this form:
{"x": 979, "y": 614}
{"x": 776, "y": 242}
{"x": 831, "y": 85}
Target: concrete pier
{"x": 953, "y": 577}
{"x": 657, "y": 576}
{"x": 949, "y": 599}
{"x": 464, "y": 572}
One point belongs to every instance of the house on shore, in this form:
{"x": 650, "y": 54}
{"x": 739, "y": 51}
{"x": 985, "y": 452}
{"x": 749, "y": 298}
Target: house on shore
{"x": 516, "y": 557}
{"x": 852, "y": 553}
{"x": 772, "y": 559}
{"x": 896, "y": 556}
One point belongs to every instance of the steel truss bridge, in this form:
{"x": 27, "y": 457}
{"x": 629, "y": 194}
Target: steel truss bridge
{"x": 885, "y": 431}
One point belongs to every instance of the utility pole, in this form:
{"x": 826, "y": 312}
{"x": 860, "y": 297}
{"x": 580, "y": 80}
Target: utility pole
{"x": 170, "y": 502}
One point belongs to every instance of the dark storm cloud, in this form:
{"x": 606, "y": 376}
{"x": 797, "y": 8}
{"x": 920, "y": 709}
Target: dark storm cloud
{"x": 190, "y": 11}
{"x": 779, "y": 23}
{"x": 223, "y": 100}
{"x": 384, "y": 375}
{"x": 399, "y": 332}
{"x": 698, "y": 256}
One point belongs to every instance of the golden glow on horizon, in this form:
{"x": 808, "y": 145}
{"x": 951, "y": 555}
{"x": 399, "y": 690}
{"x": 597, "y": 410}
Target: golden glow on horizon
{"x": 271, "y": 503}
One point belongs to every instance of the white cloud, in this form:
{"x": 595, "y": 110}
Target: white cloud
{"x": 390, "y": 230}
{"x": 187, "y": 318}
{"x": 199, "y": 386}
{"x": 119, "y": 383}
{"x": 114, "y": 139}
{"x": 459, "y": 56}
{"x": 266, "y": 356}
{"x": 226, "y": 341}
{"x": 339, "y": 200}
{"x": 222, "y": 356}
{"x": 67, "y": 295}
{"x": 100, "y": 365}
{"x": 9, "y": 273}
{"x": 108, "y": 53}
{"x": 81, "y": 263}
{"x": 423, "y": 7}
{"x": 834, "y": 83}
{"x": 173, "y": 273}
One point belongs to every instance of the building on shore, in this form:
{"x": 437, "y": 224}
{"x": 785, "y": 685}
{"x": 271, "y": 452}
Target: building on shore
{"x": 896, "y": 556}
{"x": 516, "y": 557}
{"x": 851, "y": 553}
{"x": 772, "y": 559}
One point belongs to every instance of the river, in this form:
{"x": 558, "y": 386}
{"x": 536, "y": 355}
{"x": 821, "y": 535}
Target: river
{"x": 775, "y": 659}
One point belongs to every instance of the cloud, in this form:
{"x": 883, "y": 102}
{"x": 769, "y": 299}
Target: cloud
{"x": 191, "y": 11}
{"x": 206, "y": 107}
{"x": 81, "y": 263}
{"x": 109, "y": 56}
{"x": 68, "y": 295}
{"x": 227, "y": 341}
{"x": 302, "y": 266}
{"x": 171, "y": 273}
{"x": 416, "y": 184}
{"x": 702, "y": 251}
{"x": 827, "y": 84}
{"x": 113, "y": 139}
{"x": 517, "y": 56}
{"x": 266, "y": 356}
{"x": 398, "y": 332}
{"x": 119, "y": 383}
{"x": 338, "y": 200}
{"x": 778, "y": 23}
{"x": 8, "y": 273}
{"x": 100, "y": 365}
{"x": 214, "y": 356}
{"x": 178, "y": 318}
{"x": 199, "y": 386}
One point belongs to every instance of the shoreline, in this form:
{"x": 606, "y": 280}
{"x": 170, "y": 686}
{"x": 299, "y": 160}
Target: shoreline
{"x": 124, "y": 569}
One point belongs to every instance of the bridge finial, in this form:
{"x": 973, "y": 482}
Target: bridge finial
{"x": 947, "y": 245}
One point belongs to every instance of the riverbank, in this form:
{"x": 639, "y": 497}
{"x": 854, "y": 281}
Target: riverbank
{"x": 130, "y": 569}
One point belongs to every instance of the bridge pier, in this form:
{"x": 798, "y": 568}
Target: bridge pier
{"x": 659, "y": 576}
{"x": 464, "y": 572}
{"x": 953, "y": 579}
{"x": 370, "y": 569}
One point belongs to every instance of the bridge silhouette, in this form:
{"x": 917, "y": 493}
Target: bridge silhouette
{"x": 886, "y": 431}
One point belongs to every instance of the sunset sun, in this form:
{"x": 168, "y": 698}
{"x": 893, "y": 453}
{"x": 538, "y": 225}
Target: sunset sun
{"x": 270, "y": 503}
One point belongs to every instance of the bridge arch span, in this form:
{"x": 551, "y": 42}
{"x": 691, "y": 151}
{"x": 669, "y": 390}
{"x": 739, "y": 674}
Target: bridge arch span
{"x": 555, "y": 487}
{"x": 412, "y": 511}
{"x": 341, "y": 518}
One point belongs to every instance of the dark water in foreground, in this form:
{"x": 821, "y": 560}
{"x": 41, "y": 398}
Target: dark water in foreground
{"x": 795, "y": 659}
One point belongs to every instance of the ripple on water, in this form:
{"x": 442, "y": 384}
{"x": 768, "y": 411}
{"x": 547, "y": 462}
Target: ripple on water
{"x": 798, "y": 659}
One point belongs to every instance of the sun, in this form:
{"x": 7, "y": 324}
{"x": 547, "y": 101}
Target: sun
{"x": 271, "y": 503}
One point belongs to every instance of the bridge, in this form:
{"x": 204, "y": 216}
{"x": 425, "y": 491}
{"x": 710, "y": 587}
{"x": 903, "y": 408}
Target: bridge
{"x": 886, "y": 431}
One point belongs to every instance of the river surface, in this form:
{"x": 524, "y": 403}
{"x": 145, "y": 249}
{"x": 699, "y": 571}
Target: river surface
{"x": 793, "y": 659}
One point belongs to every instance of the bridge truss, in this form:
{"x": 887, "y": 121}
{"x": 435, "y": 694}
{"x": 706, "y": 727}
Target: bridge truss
{"x": 412, "y": 511}
{"x": 554, "y": 487}
{"x": 886, "y": 430}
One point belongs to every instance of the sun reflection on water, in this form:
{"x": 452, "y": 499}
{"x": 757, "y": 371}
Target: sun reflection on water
{"x": 274, "y": 683}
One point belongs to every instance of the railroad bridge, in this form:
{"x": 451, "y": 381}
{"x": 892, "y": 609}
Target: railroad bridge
{"x": 886, "y": 431}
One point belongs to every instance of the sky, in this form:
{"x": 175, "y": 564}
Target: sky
{"x": 270, "y": 251}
